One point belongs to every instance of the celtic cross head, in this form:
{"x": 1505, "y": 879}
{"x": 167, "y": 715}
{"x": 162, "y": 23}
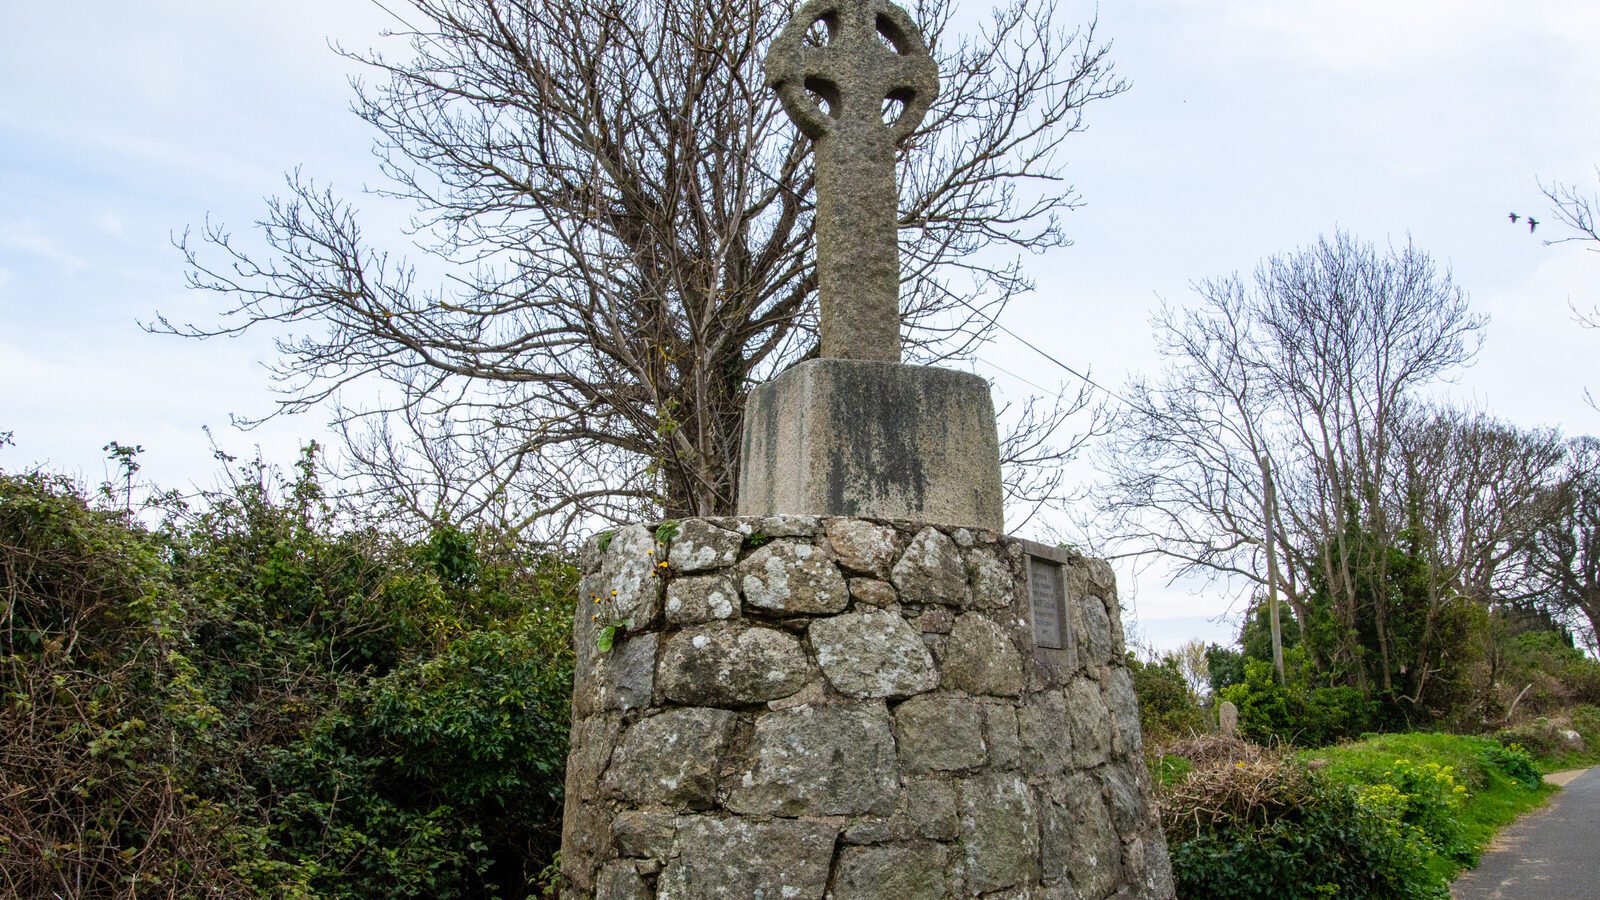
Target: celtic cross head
{"x": 858, "y": 62}
{"x": 857, "y": 78}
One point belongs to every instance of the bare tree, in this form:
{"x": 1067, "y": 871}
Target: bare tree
{"x": 1274, "y": 425}
{"x": 1576, "y": 209}
{"x": 622, "y": 217}
{"x": 1191, "y": 660}
{"x": 1192, "y": 455}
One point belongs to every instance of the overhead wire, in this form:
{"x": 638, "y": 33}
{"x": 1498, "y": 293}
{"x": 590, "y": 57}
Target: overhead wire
{"x": 968, "y": 304}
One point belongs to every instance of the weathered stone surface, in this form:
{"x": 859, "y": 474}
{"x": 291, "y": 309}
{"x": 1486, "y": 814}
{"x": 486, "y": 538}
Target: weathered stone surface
{"x": 731, "y": 664}
{"x": 700, "y": 547}
{"x": 980, "y": 658}
{"x": 994, "y": 585}
{"x": 782, "y": 526}
{"x": 931, "y": 571}
{"x": 1091, "y": 724}
{"x": 873, "y": 592}
{"x": 901, "y": 872}
{"x": 1000, "y": 735}
{"x": 1228, "y": 719}
{"x": 999, "y": 831}
{"x": 672, "y": 759}
{"x": 706, "y": 598}
{"x": 1101, "y": 577}
{"x": 643, "y": 834}
{"x": 1046, "y": 734}
{"x": 1127, "y": 796}
{"x": 619, "y": 880}
{"x": 744, "y": 859}
{"x": 926, "y": 809}
{"x": 1156, "y": 880}
{"x": 936, "y": 620}
{"x": 590, "y": 556}
{"x": 793, "y": 577}
{"x": 1092, "y": 627}
{"x": 585, "y": 841}
{"x": 942, "y": 773}
{"x": 593, "y": 740}
{"x": 630, "y": 673}
{"x": 814, "y": 693}
{"x": 832, "y": 760}
{"x": 864, "y": 548}
{"x": 873, "y": 654}
{"x": 939, "y": 734}
{"x": 1078, "y": 840}
{"x": 845, "y": 437}
{"x": 629, "y": 568}
{"x": 1126, "y": 739}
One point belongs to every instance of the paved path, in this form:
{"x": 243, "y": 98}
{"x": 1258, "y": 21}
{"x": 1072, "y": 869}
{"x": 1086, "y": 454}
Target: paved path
{"x": 1550, "y": 854}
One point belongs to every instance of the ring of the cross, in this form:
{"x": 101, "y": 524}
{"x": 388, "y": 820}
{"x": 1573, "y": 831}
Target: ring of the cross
{"x": 862, "y": 59}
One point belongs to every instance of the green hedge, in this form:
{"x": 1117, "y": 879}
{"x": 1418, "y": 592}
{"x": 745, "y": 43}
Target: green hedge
{"x": 263, "y": 697}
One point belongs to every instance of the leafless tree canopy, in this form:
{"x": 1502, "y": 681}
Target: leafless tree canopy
{"x": 1576, "y": 209}
{"x": 624, "y": 219}
{"x": 1281, "y": 422}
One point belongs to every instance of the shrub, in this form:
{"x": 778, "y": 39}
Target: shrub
{"x": 1516, "y": 763}
{"x": 1167, "y": 708}
{"x": 267, "y": 699}
{"x": 1394, "y": 816}
{"x": 1268, "y": 828}
{"x": 1295, "y": 713}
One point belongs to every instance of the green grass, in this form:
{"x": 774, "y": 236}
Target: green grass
{"x": 1564, "y": 762}
{"x": 1461, "y": 827}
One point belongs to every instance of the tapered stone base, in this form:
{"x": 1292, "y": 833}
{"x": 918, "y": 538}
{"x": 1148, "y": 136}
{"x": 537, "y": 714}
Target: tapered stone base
{"x": 799, "y": 708}
{"x": 845, "y": 437}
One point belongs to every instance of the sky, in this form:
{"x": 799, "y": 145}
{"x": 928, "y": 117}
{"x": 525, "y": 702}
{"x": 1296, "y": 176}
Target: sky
{"x": 1252, "y": 127}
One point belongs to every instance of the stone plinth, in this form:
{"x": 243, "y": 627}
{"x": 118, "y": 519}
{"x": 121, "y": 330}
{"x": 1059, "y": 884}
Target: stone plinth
{"x": 840, "y": 437}
{"x": 800, "y": 708}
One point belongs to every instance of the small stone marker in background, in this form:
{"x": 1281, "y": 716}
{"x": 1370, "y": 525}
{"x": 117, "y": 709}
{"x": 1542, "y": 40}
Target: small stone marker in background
{"x": 1228, "y": 719}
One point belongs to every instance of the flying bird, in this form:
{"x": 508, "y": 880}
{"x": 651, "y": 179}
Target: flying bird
{"x": 1532, "y": 224}
{"x": 1514, "y": 218}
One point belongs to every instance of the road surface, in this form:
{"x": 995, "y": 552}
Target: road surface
{"x": 1550, "y": 854}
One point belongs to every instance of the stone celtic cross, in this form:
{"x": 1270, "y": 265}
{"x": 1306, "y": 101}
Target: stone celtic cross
{"x": 857, "y": 78}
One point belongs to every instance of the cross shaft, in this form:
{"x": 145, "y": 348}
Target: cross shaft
{"x": 836, "y": 90}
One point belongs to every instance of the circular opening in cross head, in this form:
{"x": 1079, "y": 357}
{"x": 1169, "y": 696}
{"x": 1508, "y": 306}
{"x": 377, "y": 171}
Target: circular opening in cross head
{"x": 820, "y": 34}
{"x": 890, "y": 36}
{"x": 894, "y": 105}
{"x": 825, "y": 94}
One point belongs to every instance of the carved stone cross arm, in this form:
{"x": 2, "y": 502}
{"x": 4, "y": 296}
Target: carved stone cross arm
{"x": 857, "y": 78}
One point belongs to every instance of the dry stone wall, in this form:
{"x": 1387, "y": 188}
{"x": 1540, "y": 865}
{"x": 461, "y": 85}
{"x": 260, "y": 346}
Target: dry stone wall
{"x": 796, "y": 708}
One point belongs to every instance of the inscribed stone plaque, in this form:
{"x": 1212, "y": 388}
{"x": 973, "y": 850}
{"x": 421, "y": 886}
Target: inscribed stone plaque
{"x": 1047, "y": 594}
